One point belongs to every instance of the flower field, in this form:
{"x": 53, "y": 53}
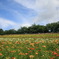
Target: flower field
{"x": 34, "y": 46}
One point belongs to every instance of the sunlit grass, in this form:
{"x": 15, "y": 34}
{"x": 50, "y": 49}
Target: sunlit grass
{"x": 44, "y": 35}
{"x": 29, "y": 48}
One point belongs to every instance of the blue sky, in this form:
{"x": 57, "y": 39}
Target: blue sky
{"x": 17, "y": 13}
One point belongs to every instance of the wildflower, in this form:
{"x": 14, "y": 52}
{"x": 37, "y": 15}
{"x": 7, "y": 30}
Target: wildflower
{"x": 21, "y": 53}
{"x": 56, "y": 41}
{"x": 44, "y": 46}
{"x": 13, "y": 58}
{"x": 37, "y": 42}
{"x": 31, "y": 48}
{"x": 36, "y": 53}
{"x": 0, "y": 54}
{"x": 52, "y": 58}
{"x": 17, "y": 42}
{"x": 39, "y": 50}
{"x": 26, "y": 53}
{"x": 42, "y": 55}
{"x": 29, "y": 51}
{"x": 32, "y": 44}
{"x": 54, "y": 53}
{"x": 31, "y": 56}
{"x": 27, "y": 40}
{"x": 57, "y": 49}
{"x": 6, "y": 46}
{"x": 3, "y": 42}
{"x": 46, "y": 51}
{"x": 57, "y": 55}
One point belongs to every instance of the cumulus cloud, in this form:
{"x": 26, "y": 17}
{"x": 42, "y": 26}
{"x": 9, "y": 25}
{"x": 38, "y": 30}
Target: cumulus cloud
{"x": 47, "y": 10}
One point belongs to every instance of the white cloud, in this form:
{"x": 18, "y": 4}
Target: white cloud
{"x": 4, "y": 23}
{"x": 47, "y": 12}
{"x": 35, "y": 4}
{"x": 16, "y": 14}
{"x": 46, "y": 9}
{"x": 25, "y": 24}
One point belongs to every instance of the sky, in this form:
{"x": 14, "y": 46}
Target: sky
{"x": 18, "y": 13}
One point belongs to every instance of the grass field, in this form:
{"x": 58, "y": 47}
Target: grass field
{"x": 29, "y": 46}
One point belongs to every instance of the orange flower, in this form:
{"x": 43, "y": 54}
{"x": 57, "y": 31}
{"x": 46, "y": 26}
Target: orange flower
{"x": 44, "y": 46}
{"x": 6, "y": 46}
{"x": 21, "y": 54}
{"x": 31, "y": 48}
{"x": 36, "y": 53}
{"x": 29, "y": 51}
{"x": 13, "y": 58}
{"x": 31, "y": 56}
{"x": 0, "y": 54}
{"x": 26, "y": 53}
{"x": 37, "y": 42}
{"x": 3, "y": 42}
{"x": 17, "y": 42}
{"x": 57, "y": 49}
{"x": 54, "y": 53}
{"x": 56, "y": 41}
{"x": 32, "y": 44}
{"x": 39, "y": 50}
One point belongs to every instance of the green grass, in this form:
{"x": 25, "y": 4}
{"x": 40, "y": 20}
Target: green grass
{"x": 29, "y": 48}
{"x": 42, "y": 35}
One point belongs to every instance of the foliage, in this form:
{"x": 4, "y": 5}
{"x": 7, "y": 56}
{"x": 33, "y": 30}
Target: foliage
{"x": 1, "y": 32}
{"x": 54, "y": 27}
{"x": 51, "y": 27}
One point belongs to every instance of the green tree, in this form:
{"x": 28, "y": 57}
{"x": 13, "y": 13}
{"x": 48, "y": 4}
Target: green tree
{"x": 11, "y": 31}
{"x": 22, "y": 30}
{"x": 53, "y": 27}
{"x": 1, "y": 32}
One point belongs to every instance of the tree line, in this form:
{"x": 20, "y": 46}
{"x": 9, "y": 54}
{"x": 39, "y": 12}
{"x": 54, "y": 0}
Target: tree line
{"x": 34, "y": 29}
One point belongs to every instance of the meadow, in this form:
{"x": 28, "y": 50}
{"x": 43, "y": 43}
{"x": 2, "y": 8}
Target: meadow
{"x": 29, "y": 46}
